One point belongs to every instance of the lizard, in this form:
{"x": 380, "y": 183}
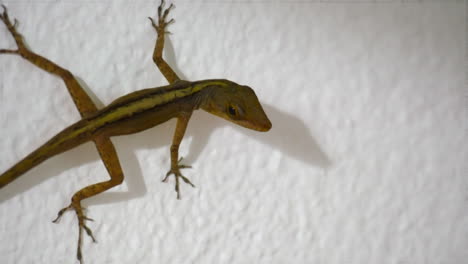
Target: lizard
{"x": 132, "y": 113}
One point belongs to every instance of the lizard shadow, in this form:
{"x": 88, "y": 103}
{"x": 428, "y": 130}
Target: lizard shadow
{"x": 289, "y": 134}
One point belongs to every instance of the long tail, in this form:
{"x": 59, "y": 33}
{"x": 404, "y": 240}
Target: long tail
{"x": 61, "y": 142}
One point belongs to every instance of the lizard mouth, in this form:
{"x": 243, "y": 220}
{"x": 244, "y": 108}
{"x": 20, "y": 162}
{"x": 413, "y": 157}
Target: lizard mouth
{"x": 262, "y": 126}
{"x": 265, "y": 126}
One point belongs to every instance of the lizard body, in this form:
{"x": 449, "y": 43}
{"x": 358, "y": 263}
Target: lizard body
{"x": 133, "y": 113}
{"x": 147, "y": 108}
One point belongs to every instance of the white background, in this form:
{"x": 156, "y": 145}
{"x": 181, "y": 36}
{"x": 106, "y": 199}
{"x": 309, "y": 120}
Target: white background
{"x": 366, "y": 161}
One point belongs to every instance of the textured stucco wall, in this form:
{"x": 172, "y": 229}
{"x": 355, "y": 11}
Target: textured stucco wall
{"x": 366, "y": 161}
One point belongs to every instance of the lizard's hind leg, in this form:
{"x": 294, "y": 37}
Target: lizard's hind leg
{"x": 86, "y": 107}
{"x": 109, "y": 157}
{"x": 81, "y": 99}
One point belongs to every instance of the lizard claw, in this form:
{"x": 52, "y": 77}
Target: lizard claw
{"x": 81, "y": 225}
{"x": 162, "y": 15}
{"x": 178, "y": 174}
{"x": 4, "y": 15}
{"x": 6, "y": 19}
{"x": 12, "y": 29}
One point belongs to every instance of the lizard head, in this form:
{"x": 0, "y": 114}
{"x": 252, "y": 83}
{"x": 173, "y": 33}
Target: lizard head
{"x": 236, "y": 103}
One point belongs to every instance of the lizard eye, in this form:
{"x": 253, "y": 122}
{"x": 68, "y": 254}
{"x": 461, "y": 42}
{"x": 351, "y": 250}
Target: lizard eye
{"x": 232, "y": 110}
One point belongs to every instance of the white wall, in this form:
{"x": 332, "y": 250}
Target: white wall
{"x": 366, "y": 161}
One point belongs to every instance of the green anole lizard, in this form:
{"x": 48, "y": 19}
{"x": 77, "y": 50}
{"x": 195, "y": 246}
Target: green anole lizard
{"x": 133, "y": 113}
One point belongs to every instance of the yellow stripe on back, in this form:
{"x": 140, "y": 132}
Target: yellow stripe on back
{"x": 145, "y": 103}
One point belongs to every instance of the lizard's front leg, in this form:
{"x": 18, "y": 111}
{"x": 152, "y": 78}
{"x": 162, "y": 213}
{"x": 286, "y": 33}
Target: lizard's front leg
{"x": 181, "y": 126}
{"x": 160, "y": 28}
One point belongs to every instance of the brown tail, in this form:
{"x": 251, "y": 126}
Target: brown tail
{"x": 54, "y": 146}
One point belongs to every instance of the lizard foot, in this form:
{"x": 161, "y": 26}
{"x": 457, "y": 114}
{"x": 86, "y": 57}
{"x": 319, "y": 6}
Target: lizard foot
{"x": 81, "y": 225}
{"x": 178, "y": 174}
{"x": 12, "y": 29}
{"x": 162, "y": 15}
